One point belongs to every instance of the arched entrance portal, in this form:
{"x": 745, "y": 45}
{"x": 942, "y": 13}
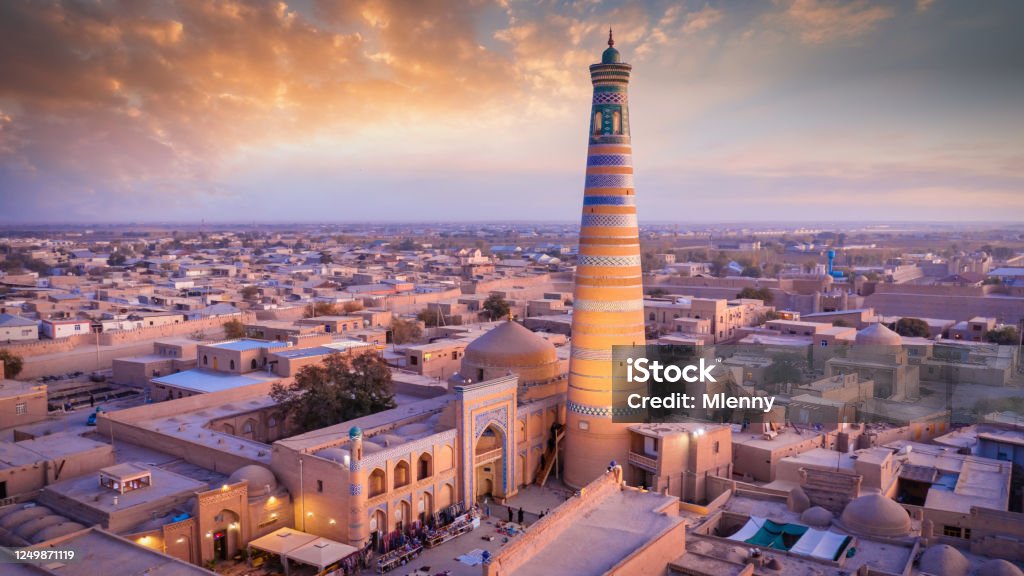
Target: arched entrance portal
{"x": 489, "y": 464}
{"x": 225, "y": 535}
{"x": 378, "y": 527}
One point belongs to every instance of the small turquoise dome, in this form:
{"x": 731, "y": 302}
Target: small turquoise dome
{"x": 354, "y": 432}
{"x": 610, "y": 56}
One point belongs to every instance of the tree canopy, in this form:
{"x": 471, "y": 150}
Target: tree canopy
{"x": 912, "y": 328}
{"x": 405, "y": 331}
{"x": 763, "y": 294}
{"x": 341, "y": 388}
{"x": 496, "y": 306}
{"x": 234, "y": 329}
{"x": 12, "y": 364}
{"x": 320, "y": 309}
{"x": 1006, "y": 336}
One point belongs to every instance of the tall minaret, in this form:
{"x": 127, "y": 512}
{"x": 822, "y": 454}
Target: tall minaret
{"x": 357, "y": 528}
{"x": 608, "y": 297}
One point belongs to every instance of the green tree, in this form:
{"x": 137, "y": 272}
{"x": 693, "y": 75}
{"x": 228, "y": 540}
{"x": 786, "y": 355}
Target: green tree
{"x": 840, "y": 323}
{"x": 763, "y": 294}
{"x": 405, "y": 331}
{"x": 326, "y": 258}
{"x": 751, "y": 271}
{"x": 496, "y": 306}
{"x": 784, "y": 369}
{"x": 657, "y": 292}
{"x": 1005, "y": 336}
{"x": 250, "y": 292}
{"x": 234, "y": 329}
{"x": 912, "y": 328}
{"x": 12, "y": 364}
{"x": 116, "y": 259}
{"x": 340, "y": 389}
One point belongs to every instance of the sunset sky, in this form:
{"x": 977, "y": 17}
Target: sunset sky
{"x": 424, "y": 110}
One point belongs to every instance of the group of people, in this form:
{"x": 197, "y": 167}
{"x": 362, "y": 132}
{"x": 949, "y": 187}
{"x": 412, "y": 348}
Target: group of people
{"x": 520, "y": 515}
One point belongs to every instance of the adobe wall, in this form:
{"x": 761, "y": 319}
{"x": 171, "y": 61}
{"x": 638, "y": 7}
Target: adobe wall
{"x": 952, "y": 302}
{"x": 503, "y": 284}
{"x": 412, "y": 303}
{"x": 184, "y": 328}
{"x": 30, "y": 348}
{"x": 551, "y": 526}
{"x": 996, "y": 533}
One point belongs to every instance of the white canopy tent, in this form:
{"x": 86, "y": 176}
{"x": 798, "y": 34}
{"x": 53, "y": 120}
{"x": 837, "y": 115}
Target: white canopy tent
{"x": 321, "y": 553}
{"x": 280, "y": 542}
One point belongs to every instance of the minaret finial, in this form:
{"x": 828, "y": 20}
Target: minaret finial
{"x": 611, "y": 41}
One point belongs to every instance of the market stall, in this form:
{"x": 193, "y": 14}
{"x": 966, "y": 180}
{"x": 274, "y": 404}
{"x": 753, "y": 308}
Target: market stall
{"x": 461, "y": 525}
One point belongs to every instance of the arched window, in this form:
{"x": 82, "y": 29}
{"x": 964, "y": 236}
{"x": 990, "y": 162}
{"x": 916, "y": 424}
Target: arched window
{"x": 616, "y": 122}
{"x": 597, "y": 122}
{"x": 424, "y": 466}
{"x": 271, "y": 422}
{"x": 652, "y": 317}
{"x": 247, "y": 429}
{"x": 253, "y": 365}
{"x": 206, "y": 361}
{"x": 377, "y": 486}
{"x": 232, "y": 364}
{"x": 401, "y": 474}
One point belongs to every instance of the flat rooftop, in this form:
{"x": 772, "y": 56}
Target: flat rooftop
{"x": 191, "y": 427}
{"x": 248, "y": 344}
{"x": 87, "y": 492}
{"x": 9, "y": 388}
{"x": 623, "y": 522}
{"x": 54, "y": 447}
{"x": 663, "y": 430}
{"x": 783, "y": 439}
{"x": 419, "y": 411}
{"x": 100, "y": 552}
{"x": 206, "y": 381}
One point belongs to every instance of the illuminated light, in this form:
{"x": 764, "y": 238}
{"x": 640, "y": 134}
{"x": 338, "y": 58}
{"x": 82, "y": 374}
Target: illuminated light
{"x": 274, "y": 515}
{"x": 224, "y": 487}
{"x": 180, "y": 540}
{"x": 144, "y": 540}
{"x": 332, "y": 522}
{"x": 271, "y": 500}
{"x": 309, "y": 514}
{"x": 233, "y": 526}
{"x": 209, "y": 534}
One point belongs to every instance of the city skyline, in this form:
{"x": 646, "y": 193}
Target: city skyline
{"x": 794, "y": 111}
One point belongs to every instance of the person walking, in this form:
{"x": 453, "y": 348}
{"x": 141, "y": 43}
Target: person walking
{"x": 509, "y": 508}
{"x": 522, "y": 515}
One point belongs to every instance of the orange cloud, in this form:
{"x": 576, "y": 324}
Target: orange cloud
{"x": 819, "y": 21}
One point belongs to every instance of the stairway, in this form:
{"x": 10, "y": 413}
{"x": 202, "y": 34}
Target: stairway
{"x": 549, "y": 459}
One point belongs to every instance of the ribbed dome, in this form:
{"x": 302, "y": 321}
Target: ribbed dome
{"x": 19, "y": 517}
{"x": 510, "y": 345}
{"x": 944, "y": 560}
{"x": 336, "y": 454}
{"x": 874, "y": 514}
{"x": 817, "y": 517}
{"x": 878, "y": 335}
{"x": 257, "y": 476}
{"x": 998, "y": 567}
{"x": 56, "y": 531}
{"x": 30, "y": 528}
